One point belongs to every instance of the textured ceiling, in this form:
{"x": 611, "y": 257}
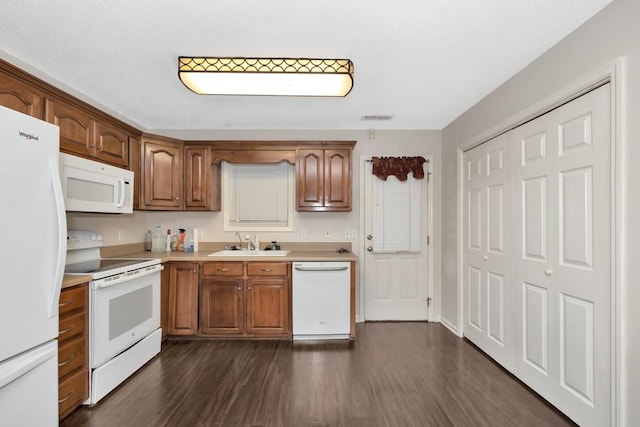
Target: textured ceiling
{"x": 424, "y": 62}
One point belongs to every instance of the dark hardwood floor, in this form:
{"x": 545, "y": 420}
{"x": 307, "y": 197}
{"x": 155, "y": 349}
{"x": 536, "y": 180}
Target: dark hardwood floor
{"x": 395, "y": 374}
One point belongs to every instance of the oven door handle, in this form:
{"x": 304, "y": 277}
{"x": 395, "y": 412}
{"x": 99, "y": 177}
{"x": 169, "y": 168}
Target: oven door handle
{"x": 125, "y": 277}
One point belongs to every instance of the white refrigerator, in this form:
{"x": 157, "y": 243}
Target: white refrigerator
{"x": 32, "y": 253}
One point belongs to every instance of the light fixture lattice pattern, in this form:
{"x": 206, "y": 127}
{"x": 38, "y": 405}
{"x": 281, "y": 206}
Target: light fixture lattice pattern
{"x": 266, "y": 65}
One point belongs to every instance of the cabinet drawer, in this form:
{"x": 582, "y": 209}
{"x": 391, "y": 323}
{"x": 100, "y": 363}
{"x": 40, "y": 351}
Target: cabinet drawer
{"x": 71, "y": 357}
{"x": 72, "y": 299}
{"x": 71, "y": 326}
{"x": 72, "y": 392}
{"x": 267, "y": 268}
{"x": 222, "y": 269}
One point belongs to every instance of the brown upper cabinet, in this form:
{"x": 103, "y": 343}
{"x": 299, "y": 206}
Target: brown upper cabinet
{"x": 83, "y": 134}
{"x": 176, "y": 176}
{"x": 324, "y": 179}
{"x": 161, "y": 174}
{"x": 21, "y": 97}
{"x": 200, "y": 193}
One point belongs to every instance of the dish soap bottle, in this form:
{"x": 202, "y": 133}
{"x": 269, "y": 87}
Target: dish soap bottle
{"x": 147, "y": 241}
{"x": 167, "y": 241}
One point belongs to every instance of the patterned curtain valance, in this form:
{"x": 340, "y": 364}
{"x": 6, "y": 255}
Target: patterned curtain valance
{"x": 399, "y": 167}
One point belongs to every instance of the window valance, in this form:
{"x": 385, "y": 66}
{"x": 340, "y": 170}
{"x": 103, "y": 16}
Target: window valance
{"x": 383, "y": 167}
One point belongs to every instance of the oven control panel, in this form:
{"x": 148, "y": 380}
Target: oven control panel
{"x": 83, "y": 239}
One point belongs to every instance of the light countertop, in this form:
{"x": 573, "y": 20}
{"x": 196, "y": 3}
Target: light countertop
{"x": 202, "y": 256}
{"x": 70, "y": 280}
{"x": 299, "y": 252}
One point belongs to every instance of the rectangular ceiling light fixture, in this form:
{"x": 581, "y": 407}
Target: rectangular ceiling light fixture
{"x": 266, "y": 76}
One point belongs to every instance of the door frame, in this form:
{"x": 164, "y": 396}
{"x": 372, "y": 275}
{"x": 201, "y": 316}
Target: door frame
{"x": 614, "y": 74}
{"x": 360, "y": 311}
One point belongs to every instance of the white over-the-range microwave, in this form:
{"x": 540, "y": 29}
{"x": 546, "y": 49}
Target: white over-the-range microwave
{"x": 90, "y": 186}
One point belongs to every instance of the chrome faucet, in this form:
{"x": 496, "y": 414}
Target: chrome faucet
{"x": 239, "y": 239}
{"x": 255, "y": 242}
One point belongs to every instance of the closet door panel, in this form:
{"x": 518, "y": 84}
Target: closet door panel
{"x": 562, "y": 193}
{"x": 487, "y": 260}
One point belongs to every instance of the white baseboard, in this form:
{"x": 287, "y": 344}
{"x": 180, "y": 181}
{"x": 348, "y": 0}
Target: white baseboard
{"x": 450, "y": 326}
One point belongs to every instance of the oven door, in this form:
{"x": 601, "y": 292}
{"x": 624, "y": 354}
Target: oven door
{"x": 122, "y": 314}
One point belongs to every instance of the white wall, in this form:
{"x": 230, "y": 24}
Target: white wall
{"x": 385, "y": 143}
{"x": 596, "y": 45}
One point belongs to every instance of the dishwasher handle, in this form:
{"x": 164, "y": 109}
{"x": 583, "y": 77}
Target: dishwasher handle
{"x": 321, "y": 268}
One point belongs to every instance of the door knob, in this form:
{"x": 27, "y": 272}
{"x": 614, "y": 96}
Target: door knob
{"x": 370, "y": 248}
{"x": 548, "y": 272}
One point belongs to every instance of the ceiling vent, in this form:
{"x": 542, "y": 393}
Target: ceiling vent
{"x": 377, "y": 117}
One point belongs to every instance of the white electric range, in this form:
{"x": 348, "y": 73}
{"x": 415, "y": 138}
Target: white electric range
{"x": 124, "y": 311}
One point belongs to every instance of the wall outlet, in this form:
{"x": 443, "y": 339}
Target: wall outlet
{"x": 120, "y": 235}
{"x": 327, "y": 234}
{"x": 302, "y": 234}
{"x": 351, "y": 234}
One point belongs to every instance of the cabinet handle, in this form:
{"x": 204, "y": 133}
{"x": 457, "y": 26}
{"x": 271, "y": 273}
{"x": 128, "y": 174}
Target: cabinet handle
{"x": 69, "y": 329}
{"x": 266, "y": 270}
{"x": 177, "y": 198}
{"x": 66, "y": 362}
{"x": 239, "y": 288}
{"x": 223, "y": 269}
{"x": 249, "y": 288}
{"x": 194, "y": 271}
{"x": 71, "y": 393}
{"x": 92, "y": 145}
{"x": 100, "y": 148}
{"x": 66, "y": 303}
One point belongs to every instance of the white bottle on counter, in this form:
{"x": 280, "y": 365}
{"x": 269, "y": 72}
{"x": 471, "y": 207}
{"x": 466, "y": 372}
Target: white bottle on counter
{"x": 157, "y": 240}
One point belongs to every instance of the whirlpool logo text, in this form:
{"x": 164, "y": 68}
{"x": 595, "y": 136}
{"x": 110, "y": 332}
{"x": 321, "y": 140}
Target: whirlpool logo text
{"x": 28, "y": 136}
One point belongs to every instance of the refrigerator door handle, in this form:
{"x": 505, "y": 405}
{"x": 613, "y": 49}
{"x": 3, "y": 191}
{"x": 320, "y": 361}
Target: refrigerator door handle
{"x": 61, "y": 218}
{"x": 14, "y": 369}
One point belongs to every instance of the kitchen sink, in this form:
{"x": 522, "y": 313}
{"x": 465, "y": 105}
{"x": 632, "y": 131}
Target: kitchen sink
{"x": 228, "y": 252}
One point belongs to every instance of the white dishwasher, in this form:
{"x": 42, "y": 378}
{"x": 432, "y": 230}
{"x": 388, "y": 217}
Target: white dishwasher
{"x": 321, "y": 300}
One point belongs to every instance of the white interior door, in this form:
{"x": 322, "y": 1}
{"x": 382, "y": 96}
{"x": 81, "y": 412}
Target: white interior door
{"x": 488, "y": 249}
{"x": 562, "y": 262}
{"x": 396, "y": 284}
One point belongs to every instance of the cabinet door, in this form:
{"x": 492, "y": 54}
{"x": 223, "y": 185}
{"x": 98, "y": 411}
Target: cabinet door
{"x": 221, "y": 306}
{"x": 183, "y": 298}
{"x": 162, "y": 182}
{"x": 337, "y": 180}
{"x": 20, "y": 97}
{"x": 323, "y": 179}
{"x": 268, "y": 307}
{"x": 197, "y": 176}
{"x": 112, "y": 144}
{"x": 76, "y": 128}
{"x": 309, "y": 179}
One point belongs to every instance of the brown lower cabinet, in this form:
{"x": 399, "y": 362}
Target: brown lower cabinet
{"x": 183, "y": 298}
{"x": 73, "y": 339}
{"x": 235, "y": 299}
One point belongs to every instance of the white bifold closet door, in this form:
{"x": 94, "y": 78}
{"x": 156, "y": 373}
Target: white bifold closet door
{"x": 562, "y": 262}
{"x": 537, "y": 259}
{"x": 487, "y": 249}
